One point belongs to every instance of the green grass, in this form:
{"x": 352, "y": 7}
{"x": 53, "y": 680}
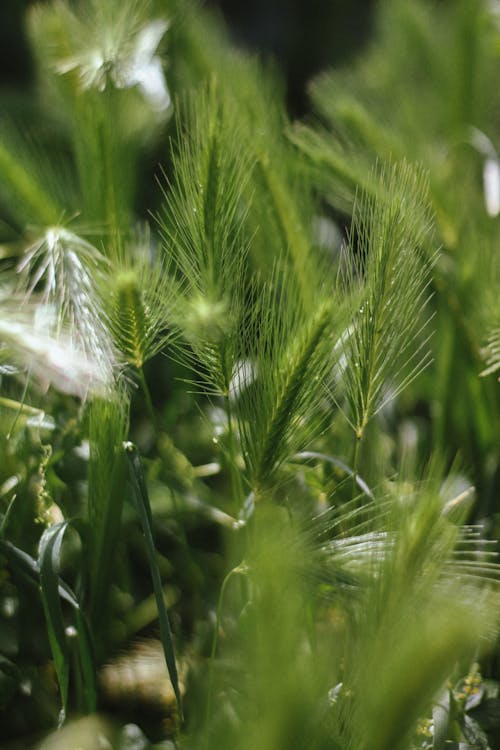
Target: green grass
{"x": 250, "y": 457}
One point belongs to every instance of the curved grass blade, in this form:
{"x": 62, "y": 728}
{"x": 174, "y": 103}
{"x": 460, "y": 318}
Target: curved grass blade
{"x": 306, "y": 455}
{"x": 20, "y": 560}
{"x": 31, "y": 569}
{"x": 53, "y": 589}
{"x": 49, "y": 552}
{"x": 141, "y": 501}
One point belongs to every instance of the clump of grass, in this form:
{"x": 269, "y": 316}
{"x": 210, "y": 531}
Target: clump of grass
{"x": 383, "y": 108}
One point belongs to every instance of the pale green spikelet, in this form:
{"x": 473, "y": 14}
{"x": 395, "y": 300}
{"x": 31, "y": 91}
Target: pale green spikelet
{"x": 203, "y": 228}
{"x": 139, "y": 294}
{"x": 291, "y": 354}
{"x": 298, "y": 369}
{"x": 132, "y": 316}
{"x": 385, "y": 345}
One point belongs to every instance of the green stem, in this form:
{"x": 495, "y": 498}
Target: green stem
{"x": 5, "y": 519}
{"x": 236, "y": 487}
{"x": 149, "y": 402}
{"x": 241, "y": 568}
{"x": 21, "y": 404}
{"x": 141, "y": 500}
{"x": 355, "y": 461}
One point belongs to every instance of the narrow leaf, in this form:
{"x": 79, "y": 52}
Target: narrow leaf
{"x": 31, "y": 568}
{"x": 306, "y": 455}
{"x": 48, "y": 558}
{"x": 141, "y": 500}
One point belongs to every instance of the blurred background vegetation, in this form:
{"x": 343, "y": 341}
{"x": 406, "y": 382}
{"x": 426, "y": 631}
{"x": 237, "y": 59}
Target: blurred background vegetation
{"x": 302, "y": 37}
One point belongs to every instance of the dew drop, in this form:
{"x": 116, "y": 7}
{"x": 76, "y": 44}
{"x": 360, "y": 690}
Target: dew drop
{"x": 9, "y": 607}
{"x": 25, "y": 687}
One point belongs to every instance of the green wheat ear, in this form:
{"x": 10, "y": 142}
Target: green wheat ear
{"x": 134, "y": 331}
{"x": 298, "y": 367}
{"x": 203, "y": 229}
{"x": 384, "y": 346}
{"x": 280, "y": 411}
{"x": 139, "y": 295}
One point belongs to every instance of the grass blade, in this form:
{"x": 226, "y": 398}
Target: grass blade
{"x": 31, "y": 569}
{"x": 141, "y": 498}
{"x": 86, "y": 661}
{"x": 106, "y": 482}
{"x": 53, "y": 589}
{"x": 48, "y": 560}
{"x": 308, "y": 455}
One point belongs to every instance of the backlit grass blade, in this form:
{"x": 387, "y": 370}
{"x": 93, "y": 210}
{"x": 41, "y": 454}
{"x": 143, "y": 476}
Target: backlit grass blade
{"x": 106, "y": 482}
{"x": 311, "y": 455}
{"x": 31, "y": 569}
{"x": 141, "y": 500}
{"x": 48, "y": 559}
{"x": 20, "y": 560}
{"x": 48, "y": 563}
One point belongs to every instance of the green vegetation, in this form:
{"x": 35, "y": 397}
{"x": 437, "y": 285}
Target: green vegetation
{"x": 249, "y": 415}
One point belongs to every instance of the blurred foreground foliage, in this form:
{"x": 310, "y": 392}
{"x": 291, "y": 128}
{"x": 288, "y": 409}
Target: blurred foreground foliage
{"x": 249, "y": 416}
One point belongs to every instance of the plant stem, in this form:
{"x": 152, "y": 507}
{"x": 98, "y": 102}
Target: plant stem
{"x": 21, "y": 404}
{"x": 241, "y": 568}
{"x": 236, "y": 487}
{"x": 149, "y": 402}
{"x": 355, "y": 464}
{"x": 143, "y": 507}
{"x": 6, "y": 516}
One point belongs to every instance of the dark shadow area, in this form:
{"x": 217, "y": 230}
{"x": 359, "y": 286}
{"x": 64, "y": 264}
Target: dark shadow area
{"x": 302, "y": 36}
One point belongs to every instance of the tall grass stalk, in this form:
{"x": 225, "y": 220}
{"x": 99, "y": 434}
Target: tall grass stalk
{"x": 108, "y": 426}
